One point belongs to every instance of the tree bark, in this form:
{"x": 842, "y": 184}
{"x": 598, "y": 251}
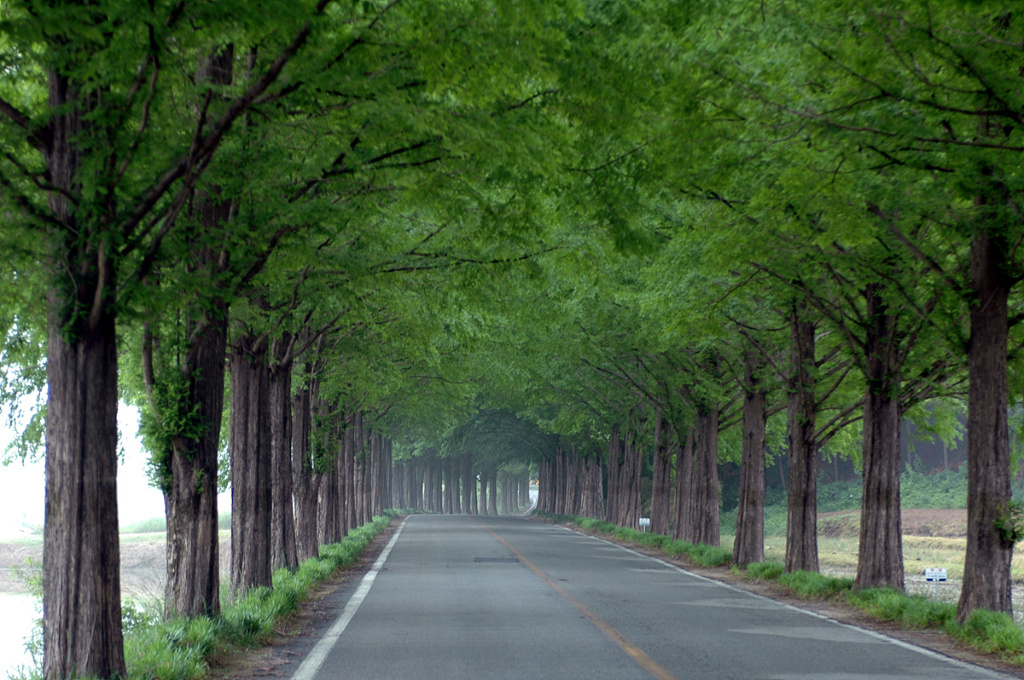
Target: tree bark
{"x": 748, "y": 546}
{"x": 474, "y": 497}
{"x": 348, "y": 496}
{"x": 455, "y": 467}
{"x": 573, "y": 483}
{"x": 468, "y": 484}
{"x": 283, "y": 551}
{"x": 190, "y": 465}
{"x": 705, "y": 477}
{"x": 591, "y": 493}
{"x": 683, "y": 528}
{"x": 249, "y": 448}
{"x": 661, "y": 484}
{"x": 629, "y": 482}
{"x": 189, "y": 478}
{"x": 615, "y": 463}
{"x": 987, "y": 582}
{"x": 438, "y": 484}
{"x": 484, "y": 506}
{"x": 306, "y": 543}
{"x": 81, "y": 559}
{"x": 802, "y": 506}
{"x": 880, "y": 555}
{"x": 492, "y": 501}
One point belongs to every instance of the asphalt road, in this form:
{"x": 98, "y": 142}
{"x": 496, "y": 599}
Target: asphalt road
{"x": 466, "y": 597}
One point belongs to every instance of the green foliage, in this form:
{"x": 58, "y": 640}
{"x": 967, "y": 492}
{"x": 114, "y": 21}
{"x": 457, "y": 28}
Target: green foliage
{"x": 137, "y": 615}
{"x": 944, "y": 489}
{"x": 1010, "y": 523}
{"x": 839, "y": 496}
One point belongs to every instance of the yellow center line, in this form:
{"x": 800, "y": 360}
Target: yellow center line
{"x": 638, "y": 655}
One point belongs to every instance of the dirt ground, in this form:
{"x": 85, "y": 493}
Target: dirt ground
{"x": 916, "y": 522}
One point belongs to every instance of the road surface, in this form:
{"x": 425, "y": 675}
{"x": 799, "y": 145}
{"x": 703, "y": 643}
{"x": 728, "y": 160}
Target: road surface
{"x": 485, "y": 597}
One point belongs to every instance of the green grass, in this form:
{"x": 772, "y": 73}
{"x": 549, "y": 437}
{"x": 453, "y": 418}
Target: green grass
{"x": 991, "y": 633}
{"x": 910, "y": 611}
{"x": 765, "y": 571}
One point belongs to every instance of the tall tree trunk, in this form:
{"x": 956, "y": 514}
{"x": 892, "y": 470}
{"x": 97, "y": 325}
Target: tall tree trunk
{"x": 615, "y": 462}
{"x": 590, "y": 494}
{"x": 573, "y": 485}
{"x": 189, "y": 474}
{"x": 376, "y": 485}
{"x": 987, "y": 582}
{"x": 456, "y": 479}
{"x": 428, "y": 486}
{"x": 661, "y": 484}
{"x": 81, "y": 559}
{"x": 419, "y": 471}
{"x": 468, "y": 484}
{"x": 492, "y": 502}
{"x": 249, "y": 448}
{"x": 483, "y": 492}
{"x": 705, "y": 477}
{"x": 802, "y": 506}
{"x": 189, "y": 468}
{"x": 386, "y": 468}
{"x": 562, "y": 480}
{"x": 629, "y": 482}
{"x": 446, "y": 485}
{"x": 683, "y": 527}
{"x": 306, "y": 543}
{"x": 880, "y": 556}
{"x": 438, "y": 473}
{"x": 748, "y": 546}
{"x": 283, "y": 551}
{"x": 474, "y": 497}
{"x": 347, "y": 481}
{"x": 348, "y": 498}
{"x": 362, "y": 477}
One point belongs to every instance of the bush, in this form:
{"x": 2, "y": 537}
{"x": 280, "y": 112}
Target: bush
{"x": 910, "y": 611}
{"x": 700, "y": 554}
{"x": 765, "y": 571}
{"x": 600, "y": 526}
{"x": 809, "y": 584}
{"x": 946, "y": 489}
{"x": 991, "y": 633}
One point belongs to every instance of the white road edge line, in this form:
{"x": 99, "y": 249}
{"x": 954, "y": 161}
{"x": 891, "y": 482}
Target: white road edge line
{"x": 924, "y": 651}
{"x": 310, "y": 666}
